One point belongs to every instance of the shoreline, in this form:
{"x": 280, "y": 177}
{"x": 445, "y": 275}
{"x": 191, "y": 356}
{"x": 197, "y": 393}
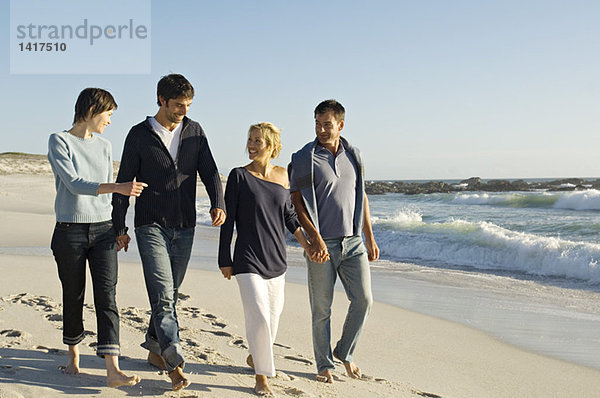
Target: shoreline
{"x": 402, "y": 352}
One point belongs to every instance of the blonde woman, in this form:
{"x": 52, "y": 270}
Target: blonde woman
{"x": 258, "y": 202}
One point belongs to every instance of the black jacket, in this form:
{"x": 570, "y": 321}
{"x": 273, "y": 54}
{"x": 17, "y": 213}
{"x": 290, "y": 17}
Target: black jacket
{"x": 170, "y": 198}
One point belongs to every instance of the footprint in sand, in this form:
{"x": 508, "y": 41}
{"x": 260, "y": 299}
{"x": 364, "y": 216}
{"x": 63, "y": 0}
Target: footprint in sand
{"x": 40, "y": 303}
{"x": 11, "y": 333}
{"x": 15, "y": 298}
{"x": 205, "y": 354}
{"x": 220, "y": 333}
{"x": 298, "y": 358}
{"x": 283, "y": 376}
{"x": 182, "y": 297}
{"x": 9, "y": 369}
{"x": 131, "y": 316}
{"x": 54, "y": 317}
{"x": 214, "y": 320}
{"x": 48, "y": 350}
{"x": 294, "y": 392}
{"x": 426, "y": 394}
{"x": 195, "y": 312}
{"x": 238, "y": 343}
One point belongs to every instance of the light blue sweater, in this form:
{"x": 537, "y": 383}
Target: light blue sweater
{"x": 79, "y": 166}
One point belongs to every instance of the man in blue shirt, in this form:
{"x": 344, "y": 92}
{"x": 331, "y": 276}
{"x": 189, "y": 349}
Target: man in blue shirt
{"x": 327, "y": 188}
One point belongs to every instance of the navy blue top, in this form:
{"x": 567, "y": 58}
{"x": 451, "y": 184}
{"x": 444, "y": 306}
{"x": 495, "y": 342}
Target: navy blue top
{"x": 261, "y": 210}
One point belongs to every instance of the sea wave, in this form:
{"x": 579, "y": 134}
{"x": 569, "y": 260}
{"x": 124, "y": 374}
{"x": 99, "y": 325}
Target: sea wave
{"x": 486, "y": 246}
{"x": 203, "y": 212}
{"x": 576, "y": 200}
{"x": 579, "y": 200}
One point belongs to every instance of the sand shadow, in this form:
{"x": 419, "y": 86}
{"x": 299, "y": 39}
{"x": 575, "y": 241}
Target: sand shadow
{"x": 40, "y": 368}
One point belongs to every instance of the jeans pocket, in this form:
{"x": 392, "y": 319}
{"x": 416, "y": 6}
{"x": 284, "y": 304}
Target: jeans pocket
{"x": 355, "y": 246}
{"x": 63, "y": 226}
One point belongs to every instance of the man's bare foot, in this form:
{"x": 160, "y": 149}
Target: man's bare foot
{"x": 262, "y": 386}
{"x": 156, "y": 361}
{"x": 119, "y": 378}
{"x": 72, "y": 367}
{"x": 352, "y": 370}
{"x": 250, "y": 361}
{"x": 325, "y": 376}
{"x": 178, "y": 380}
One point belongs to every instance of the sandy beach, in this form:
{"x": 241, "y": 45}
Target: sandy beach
{"x": 401, "y": 353}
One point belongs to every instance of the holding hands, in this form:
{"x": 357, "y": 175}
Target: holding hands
{"x": 317, "y": 251}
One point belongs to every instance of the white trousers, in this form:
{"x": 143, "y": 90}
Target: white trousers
{"x": 263, "y": 302}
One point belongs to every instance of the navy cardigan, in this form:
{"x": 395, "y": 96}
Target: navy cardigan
{"x": 170, "y": 198}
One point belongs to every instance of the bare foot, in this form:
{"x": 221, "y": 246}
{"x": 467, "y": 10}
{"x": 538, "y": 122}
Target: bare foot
{"x": 114, "y": 376}
{"x": 250, "y": 361}
{"x": 156, "y": 361}
{"x": 352, "y": 370}
{"x": 72, "y": 367}
{"x": 178, "y": 380}
{"x": 325, "y": 376}
{"x": 262, "y": 386}
{"x": 119, "y": 378}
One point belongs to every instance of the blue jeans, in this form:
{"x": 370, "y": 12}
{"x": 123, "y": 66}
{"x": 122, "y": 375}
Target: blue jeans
{"x": 165, "y": 253}
{"x": 348, "y": 259}
{"x": 72, "y": 245}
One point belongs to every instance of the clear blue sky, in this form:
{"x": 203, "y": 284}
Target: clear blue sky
{"x": 432, "y": 88}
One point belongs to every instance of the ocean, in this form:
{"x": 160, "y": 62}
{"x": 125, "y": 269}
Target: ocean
{"x": 521, "y": 266}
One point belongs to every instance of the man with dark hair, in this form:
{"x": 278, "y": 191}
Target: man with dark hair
{"x": 166, "y": 151}
{"x": 327, "y": 188}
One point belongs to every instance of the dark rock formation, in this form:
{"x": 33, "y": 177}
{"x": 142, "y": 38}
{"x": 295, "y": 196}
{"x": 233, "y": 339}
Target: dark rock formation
{"x": 476, "y": 184}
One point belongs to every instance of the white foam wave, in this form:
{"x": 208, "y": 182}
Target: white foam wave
{"x": 538, "y": 199}
{"x": 477, "y": 199}
{"x": 203, "y": 212}
{"x": 483, "y": 245}
{"x": 579, "y": 200}
{"x": 404, "y": 216}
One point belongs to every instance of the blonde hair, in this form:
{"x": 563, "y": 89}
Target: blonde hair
{"x": 271, "y": 135}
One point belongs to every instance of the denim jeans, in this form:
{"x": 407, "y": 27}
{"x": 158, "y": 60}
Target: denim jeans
{"x": 73, "y": 244}
{"x": 348, "y": 259}
{"x": 165, "y": 253}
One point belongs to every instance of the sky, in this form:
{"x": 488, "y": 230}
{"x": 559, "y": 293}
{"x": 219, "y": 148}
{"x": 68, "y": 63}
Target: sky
{"x": 433, "y": 89}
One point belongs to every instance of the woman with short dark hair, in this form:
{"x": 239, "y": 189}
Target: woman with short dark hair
{"x": 83, "y": 172}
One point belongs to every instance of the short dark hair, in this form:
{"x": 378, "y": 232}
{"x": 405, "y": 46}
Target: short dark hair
{"x": 173, "y": 86}
{"x": 331, "y": 105}
{"x": 92, "y": 102}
